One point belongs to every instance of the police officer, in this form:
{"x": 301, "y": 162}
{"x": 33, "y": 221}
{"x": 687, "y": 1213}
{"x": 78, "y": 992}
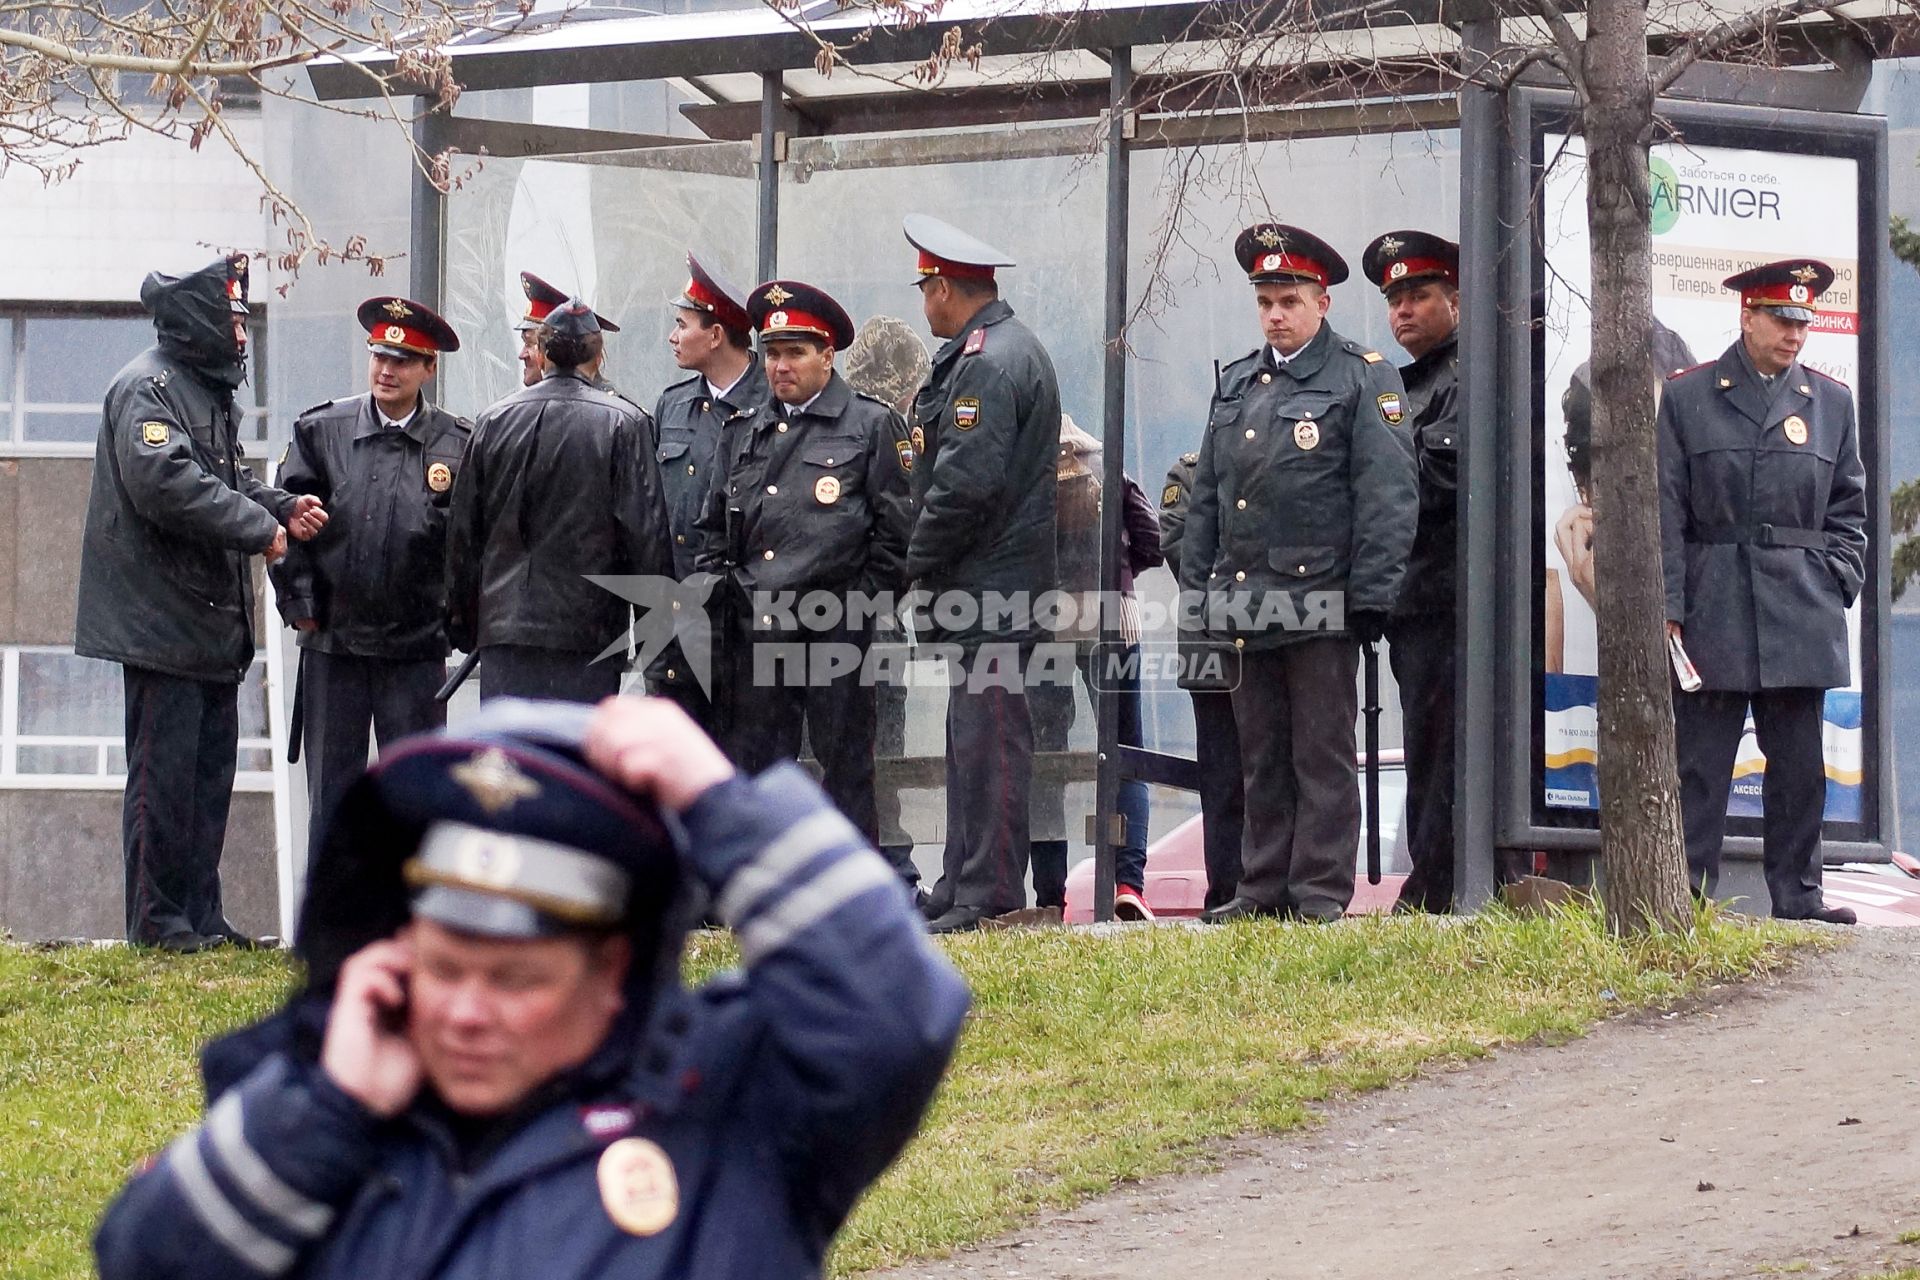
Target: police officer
{"x": 1419, "y": 274}
{"x": 811, "y": 499}
{"x": 985, "y": 430}
{"x": 1216, "y": 740}
{"x": 1303, "y": 513}
{"x": 542, "y": 298}
{"x": 560, "y": 483}
{"x": 713, "y": 337}
{"x": 491, "y": 1067}
{"x": 167, "y": 592}
{"x": 368, "y": 596}
{"x": 1763, "y": 542}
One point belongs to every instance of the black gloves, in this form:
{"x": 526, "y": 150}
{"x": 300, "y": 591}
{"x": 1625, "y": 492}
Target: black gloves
{"x": 1367, "y": 625}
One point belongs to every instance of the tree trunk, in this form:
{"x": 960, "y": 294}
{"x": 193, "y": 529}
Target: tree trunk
{"x": 1642, "y": 854}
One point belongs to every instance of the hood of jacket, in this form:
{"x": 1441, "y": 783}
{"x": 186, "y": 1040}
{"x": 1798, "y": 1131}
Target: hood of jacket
{"x": 194, "y": 322}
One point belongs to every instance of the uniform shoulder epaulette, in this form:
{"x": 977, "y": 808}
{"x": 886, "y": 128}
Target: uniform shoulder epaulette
{"x": 313, "y": 409}
{"x": 159, "y": 380}
{"x": 875, "y": 399}
{"x": 976, "y": 342}
{"x": 691, "y": 382}
{"x": 1689, "y": 369}
{"x": 1190, "y": 459}
{"x": 1829, "y": 377}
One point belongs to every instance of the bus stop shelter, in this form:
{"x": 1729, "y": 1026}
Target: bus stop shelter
{"x": 1123, "y": 110}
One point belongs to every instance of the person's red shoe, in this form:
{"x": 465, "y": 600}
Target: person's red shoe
{"x": 1129, "y": 905}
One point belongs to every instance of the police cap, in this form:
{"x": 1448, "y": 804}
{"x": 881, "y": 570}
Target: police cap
{"x": 1787, "y": 288}
{"x": 1405, "y": 257}
{"x": 542, "y": 298}
{"x": 402, "y": 327}
{"x": 791, "y": 309}
{"x": 1273, "y": 252}
{"x": 946, "y": 250}
{"x": 706, "y": 292}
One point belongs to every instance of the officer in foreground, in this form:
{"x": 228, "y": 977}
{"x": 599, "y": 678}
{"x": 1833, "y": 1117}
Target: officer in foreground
{"x": 368, "y": 596}
{"x": 166, "y": 591}
{"x": 542, "y": 299}
{"x": 985, "y": 430}
{"x": 1216, "y": 740}
{"x": 493, "y": 1070}
{"x": 1419, "y": 274}
{"x": 1763, "y": 513}
{"x": 560, "y": 484}
{"x": 810, "y": 500}
{"x": 1303, "y": 512}
{"x": 712, "y": 337}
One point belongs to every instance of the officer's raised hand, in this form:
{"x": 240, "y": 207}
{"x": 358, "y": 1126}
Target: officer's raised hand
{"x": 367, "y": 1052}
{"x": 308, "y": 517}
{"x": 651, "y": 746}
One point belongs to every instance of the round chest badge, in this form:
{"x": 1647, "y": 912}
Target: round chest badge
{"x": 826, "y": 490}
{"x": 1306, "y": 433}
{"x": 1796, "y": 429}
{"x": 638, "y": 1188}
{"x": 439, "y": 477}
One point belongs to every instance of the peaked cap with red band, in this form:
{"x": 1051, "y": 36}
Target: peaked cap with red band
{"x": 707, "y": 293}
{"x": 1275, "y": 253}
{"x": 1404, "y": 257}
{"x": 1787, "y": 287}
{"x": 542, "y": 298}
{"x": 402, "y": 327}
{"x": 946, "y": 250}
{"x": 790, "y": 309}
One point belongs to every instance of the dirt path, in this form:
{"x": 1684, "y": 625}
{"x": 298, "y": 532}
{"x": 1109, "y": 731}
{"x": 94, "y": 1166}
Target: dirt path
{"x": 1592, "y": 1159}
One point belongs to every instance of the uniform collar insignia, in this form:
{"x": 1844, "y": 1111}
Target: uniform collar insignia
{"x": 494, "y": 781}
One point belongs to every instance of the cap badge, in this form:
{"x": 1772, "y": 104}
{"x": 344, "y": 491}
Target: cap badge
{"x": 393, "y": 333}
{"x": 1268, "y": 238}
{"x": 638, "y": 1188}
{"x": 778, "y": 296}
{"x": 1800, "y": 293}
{"x": 1392, "y": 245}
{"x": 1804, "y": 274}
{"x": 1397, "y": 270}
{"x": 1306, "y": 433}
{"x": 1796, "y": 429}
{"x": 826, "y": 490}
{"x": 494, "y": 781}
{"x": 1272, "y": 262}
{"x": 777, "y": 319}
{"x": 398, "y": 309}
{"x": 487, "y": 858}
{"x": 439, "y": 477}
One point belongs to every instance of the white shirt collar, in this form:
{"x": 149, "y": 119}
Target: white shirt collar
{"x": 397, "y": 423}
{"x": 1282, "y": 358}
{"x": 720, "y": 393}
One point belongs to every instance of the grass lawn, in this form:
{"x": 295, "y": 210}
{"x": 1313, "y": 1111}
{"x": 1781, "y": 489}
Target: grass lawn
{"x": 1090, "y": 1059}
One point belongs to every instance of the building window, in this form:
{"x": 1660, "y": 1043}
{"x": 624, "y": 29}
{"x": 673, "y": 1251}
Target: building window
{"x": 63, "y": 722}
{"x": 55, "y": 367}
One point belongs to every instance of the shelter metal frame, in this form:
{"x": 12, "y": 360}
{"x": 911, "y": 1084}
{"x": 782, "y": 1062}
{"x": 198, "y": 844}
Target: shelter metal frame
{"x": 1113, "y": 56}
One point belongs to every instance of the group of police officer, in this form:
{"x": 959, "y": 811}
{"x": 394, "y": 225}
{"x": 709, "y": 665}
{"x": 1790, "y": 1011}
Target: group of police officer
{"x": 1317, "y": 517}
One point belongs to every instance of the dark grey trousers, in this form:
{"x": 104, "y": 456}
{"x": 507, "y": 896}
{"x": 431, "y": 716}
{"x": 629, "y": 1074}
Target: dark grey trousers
{"x": 989, "y": 779}
{"x": 1707, "y": 728}
{"x": 347, "y": 698}
{"x": 1294, "y": 708}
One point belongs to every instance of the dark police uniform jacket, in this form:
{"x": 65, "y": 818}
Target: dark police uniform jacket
{"x": 559, "y": 482}
{"x": 174, "y": 514}
{"x": 688, "y": 423}
{"x": 1305, "y": 484}
{"x": 824, "y": 497}
{"x": 778, "y": 1095}
{"x": 986, "y": 429}
{"x": 375, "y": 577}
{"x": 1762, "y": 535}
{"x": 1433, "y": 407}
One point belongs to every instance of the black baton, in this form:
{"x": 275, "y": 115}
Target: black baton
{"x": 1370, "y": 659}
{"x": 459, "y": 676}
{"x": 297, "y": 720}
